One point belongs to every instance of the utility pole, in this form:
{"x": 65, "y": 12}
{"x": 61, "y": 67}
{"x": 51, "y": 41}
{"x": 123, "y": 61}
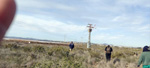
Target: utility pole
{"x": 89, "y": 39}
{"x": 82, "y": 40}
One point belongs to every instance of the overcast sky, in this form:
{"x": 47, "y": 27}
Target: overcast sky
{"x": 118, "y": 22}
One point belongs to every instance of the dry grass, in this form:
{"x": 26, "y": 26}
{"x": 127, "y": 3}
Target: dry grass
{"x": 23, "y": 55}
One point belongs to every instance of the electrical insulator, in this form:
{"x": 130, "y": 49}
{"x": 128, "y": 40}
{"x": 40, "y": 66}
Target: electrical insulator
{"x": 90, "y": 30}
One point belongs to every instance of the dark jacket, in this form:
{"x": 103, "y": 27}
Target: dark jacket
{"x": 108, "y": 50}
{"x": 71, "y": 45}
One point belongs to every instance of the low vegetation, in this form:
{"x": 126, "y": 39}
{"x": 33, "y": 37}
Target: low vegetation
{"x": 21, "y": 55}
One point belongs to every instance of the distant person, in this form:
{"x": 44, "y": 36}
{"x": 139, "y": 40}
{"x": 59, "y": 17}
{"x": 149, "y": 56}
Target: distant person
{"x": 71, "y": 45}
{"x": 108, "y": 51}
{"x": 145, "y": 58}
{"x": 7, "y": 12}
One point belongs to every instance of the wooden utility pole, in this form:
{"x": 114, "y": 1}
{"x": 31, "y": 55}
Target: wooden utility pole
{"x": 89, "y": 39}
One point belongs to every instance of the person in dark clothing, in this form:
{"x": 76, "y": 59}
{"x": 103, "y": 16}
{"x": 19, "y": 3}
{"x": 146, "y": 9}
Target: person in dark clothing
{"x": 71, "y": 45}
{"x": 108, "y": 51}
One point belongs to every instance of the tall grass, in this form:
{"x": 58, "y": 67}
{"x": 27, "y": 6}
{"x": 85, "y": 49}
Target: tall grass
{"x": 13, "y": 55}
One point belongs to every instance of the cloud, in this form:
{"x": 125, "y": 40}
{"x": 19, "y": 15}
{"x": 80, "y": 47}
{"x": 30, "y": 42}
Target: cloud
{"x": 130, "y": 20}
{"x": 42, "y": 5}
{"x": 28, "y": 22}
{"x": 142, "y": 29}
{"x": 107, "y": 37}
{"x": 144, "y": 3}
{"x": 133, "y": 23}
{"x": 102, "y": 28}
{"x": 115, "y": 20}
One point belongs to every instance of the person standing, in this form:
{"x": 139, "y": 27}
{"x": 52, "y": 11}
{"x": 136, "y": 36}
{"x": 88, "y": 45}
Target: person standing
{"x": 108, "y": 51}
{"x": 145, "y": 58}
{"x": 71, "y": 45}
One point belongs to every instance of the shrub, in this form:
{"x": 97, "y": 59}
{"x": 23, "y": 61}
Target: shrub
{"x": 118, "y": 55}
{"x": 38, "y": 49}
{"x": 58, "y": 51}
{"x": 15, "y": 46}
{"x": 27, "y": 49}
{"x": 94, "y": 53}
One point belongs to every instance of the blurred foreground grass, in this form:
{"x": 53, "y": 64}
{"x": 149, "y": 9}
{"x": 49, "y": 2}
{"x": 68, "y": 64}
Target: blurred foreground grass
{"x": 19, "y": 55}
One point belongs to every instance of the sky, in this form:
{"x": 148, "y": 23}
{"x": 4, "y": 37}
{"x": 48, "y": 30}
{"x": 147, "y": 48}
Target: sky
{"x": 117, "y": 22}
